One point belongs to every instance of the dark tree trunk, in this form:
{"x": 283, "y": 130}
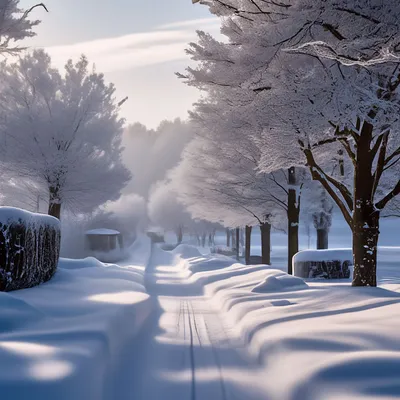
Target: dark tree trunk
{"x": 365, "y": 216}
{"x": 248, "y": 244}
{"x": 203, "y": 240}
{"x": 54, "y": 203}
{"x": 266, "y": 243}
{"x": 365, "y": 243}
{"x": 228, "y": 238}
{"x": 179, "y": 234}
{"x": 233, "y": 239}
{"x": 237, "y": 230}
{"x": 293, "y": 218}
{"x": 210, "y": 239}
{"x": 55, "y": 210}
{"x": 322, "y": 238}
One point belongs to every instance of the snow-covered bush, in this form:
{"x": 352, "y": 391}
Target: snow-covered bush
{"x": 29, "y": 248}
{"x": 328, "y": 264}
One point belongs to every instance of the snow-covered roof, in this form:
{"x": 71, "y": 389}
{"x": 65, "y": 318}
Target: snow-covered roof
{"x": 102, "y": 231}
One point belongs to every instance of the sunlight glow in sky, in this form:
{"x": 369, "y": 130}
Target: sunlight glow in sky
{"x": 138, "y": 45}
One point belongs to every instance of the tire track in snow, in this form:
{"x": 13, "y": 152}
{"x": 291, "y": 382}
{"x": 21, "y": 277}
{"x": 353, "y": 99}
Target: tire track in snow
{"x": 195, "y": 325}
{"x": 192, "y": 361}
{"x": 217, "y": 363}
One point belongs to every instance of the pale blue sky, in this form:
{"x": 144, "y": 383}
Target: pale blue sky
{"x": 138, "y": 44}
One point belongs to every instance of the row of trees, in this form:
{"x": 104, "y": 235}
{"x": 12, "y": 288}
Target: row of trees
{"x": 299, "y": 90}
{"x": 60, "y": 132}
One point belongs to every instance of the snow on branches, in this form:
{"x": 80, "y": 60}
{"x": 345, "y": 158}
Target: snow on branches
{"x": 316, "y": 83}
{"x": 15, "y": 25}
{"x": 62, "y": 131}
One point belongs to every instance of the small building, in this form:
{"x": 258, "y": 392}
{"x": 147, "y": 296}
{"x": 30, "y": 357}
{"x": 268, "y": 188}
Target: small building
{"x": 105, "y": 244}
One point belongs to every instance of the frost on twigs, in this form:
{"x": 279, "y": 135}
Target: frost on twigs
{"x": 29, "y": 248}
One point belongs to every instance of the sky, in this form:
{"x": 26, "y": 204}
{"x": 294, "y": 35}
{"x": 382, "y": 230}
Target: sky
{"x": 137, "y": 44}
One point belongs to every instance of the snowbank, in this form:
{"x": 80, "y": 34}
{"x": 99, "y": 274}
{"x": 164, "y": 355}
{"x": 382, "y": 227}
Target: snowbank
{"x": 62, "y": 340}
{"x": 187, "y": 251}
{"x": 279, "y": 281}
{"x": 330, "y": 341}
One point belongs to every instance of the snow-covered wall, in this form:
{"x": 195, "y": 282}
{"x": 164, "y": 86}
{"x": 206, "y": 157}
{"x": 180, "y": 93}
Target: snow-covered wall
{"x": 29, "y": 248}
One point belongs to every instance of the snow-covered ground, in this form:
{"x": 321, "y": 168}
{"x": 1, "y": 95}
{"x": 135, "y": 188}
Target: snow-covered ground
{"x": 316, "y": 341}
{"x": 197, "y": 326}
{"x": 228, "y": 331}
{"x": 64, "y": 339}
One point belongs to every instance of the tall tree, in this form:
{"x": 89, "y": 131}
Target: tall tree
{"x": 62, "y": 130}
{"x": 327, "y": 72}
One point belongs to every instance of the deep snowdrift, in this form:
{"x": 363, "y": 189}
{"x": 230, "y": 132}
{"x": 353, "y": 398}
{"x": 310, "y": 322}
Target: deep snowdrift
{"x": 321, "y": 340}
{"x": 61, "y": 340}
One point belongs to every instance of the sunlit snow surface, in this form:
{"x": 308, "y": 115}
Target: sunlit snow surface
{"x": 198, "y": 326}
{"x": 62, "y": 339}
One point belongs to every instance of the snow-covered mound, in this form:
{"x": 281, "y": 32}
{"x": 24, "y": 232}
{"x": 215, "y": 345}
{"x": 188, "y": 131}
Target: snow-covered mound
{"x": 328, "y": 264}
{"x": 278, "y": 281}
{"x": 211, "y": 263}
{"x": 63, "y": 339}
{"x": 187, "y": 251}
{"x": 88, "y": 262}
{"x": 29, "y": 248}
{"x": 323, "y": 255}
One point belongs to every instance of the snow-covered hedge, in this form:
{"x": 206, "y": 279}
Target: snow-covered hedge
{"x": 224, "y": 250}
{"x": 329, "y": 264}
{"x": 29, "y": 248}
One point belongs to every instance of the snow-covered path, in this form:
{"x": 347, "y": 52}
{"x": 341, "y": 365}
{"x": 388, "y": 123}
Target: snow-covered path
{"x": 185, "y": 352}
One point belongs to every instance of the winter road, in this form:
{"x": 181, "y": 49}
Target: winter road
{"x": 185, "y": 352}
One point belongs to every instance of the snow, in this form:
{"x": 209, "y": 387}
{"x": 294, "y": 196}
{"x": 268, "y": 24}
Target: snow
{"x": 324, "y": 255}
{"x": 278, "y": 281}
{"x": 301, "y": 341}
{"x": 63, "y": 339}
{"x": 187, "y": 251}
{"x": 199, "y": 326}
{"x": 12, "y": 214}
{"x": 102, "y": 231}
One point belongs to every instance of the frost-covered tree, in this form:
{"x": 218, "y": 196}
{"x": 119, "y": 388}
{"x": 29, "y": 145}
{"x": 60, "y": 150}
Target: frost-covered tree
{"x": 63, "y": 131}
{"x": 322, "y": 77}
{"x": 217, "y": 181}
{"x": 15, "y": 25}
{"x": 229, "y": 117}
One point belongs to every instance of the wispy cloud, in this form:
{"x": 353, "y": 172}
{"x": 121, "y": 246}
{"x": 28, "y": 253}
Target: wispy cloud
{"x": 192, "y": 23}
{"x": 164, "y": 44}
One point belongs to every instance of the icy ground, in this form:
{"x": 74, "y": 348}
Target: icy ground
{"x": 200, "y": 327}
